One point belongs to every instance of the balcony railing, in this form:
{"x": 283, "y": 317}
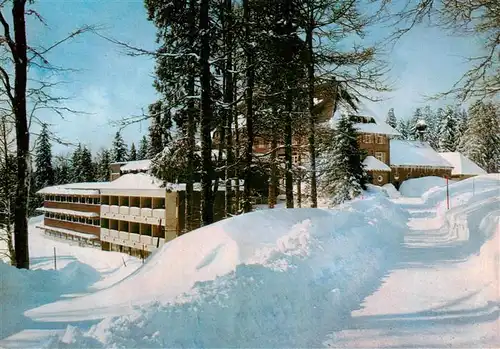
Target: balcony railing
{"x": 141, "y": 242}
{"x": 134, "y": 214}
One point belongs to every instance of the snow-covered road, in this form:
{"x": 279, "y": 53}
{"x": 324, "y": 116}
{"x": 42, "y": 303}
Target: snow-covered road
{"x": 441, "y": 289}
{"x": 444, "y": 292}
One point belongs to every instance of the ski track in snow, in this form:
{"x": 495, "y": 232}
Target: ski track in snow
{"x": 444, "y": 292}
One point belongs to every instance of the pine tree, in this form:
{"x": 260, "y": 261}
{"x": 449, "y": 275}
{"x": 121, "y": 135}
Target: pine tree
{"x": 132, "y": 156}
{"x": 413, "y": 133}
{"x": 76, "y": 165}
{"x": 404, "y": 129}
{"x": 343, "y": 173}
{"x": 391, "y": 119}
{"x": 481, "y": 140}
{"x": 62, "y": 170}
{"x": 103, "y": 171}
{"x": 44, "y": 172}
{"x": 88, "y": 167}
{"x": 119, "y": 149}
{"x": 431, "y": 134}
{"x": 142, "y": 154}
{"x": 448, "y": 131}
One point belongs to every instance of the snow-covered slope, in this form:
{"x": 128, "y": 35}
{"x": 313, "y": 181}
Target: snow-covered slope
{"x": 416, "y": 187}
{"x": 269, "y": 278}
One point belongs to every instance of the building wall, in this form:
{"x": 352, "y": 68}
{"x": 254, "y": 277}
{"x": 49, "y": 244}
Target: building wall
{"x": 368, "y": 142}
{"x": 400, "y": 174}
{"x": 376, "y": 175}
{"x": 79, "y": 227}
{"x": 72, "y": 206}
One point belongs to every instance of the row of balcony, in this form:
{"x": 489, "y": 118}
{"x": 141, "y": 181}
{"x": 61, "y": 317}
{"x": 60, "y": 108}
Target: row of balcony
{"x": 134, "y": 214}
{"x": 141, "y": 242}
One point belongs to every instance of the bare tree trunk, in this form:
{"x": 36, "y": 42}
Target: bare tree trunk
{"x": 299, "y": 177}
{"x": 207, "y": 211}
{"x": 273, "y": 178}
{"x": 237, "y": 193}
{"x": 288, "y": 117}
{"x": 19, "y": 54}
{"x": 191, "y": 126}
{"x": 6, "y": 195}
{"x": 310, "y": 100}
{"x": 228, "y": 99}
{"x": 250, "y": 76}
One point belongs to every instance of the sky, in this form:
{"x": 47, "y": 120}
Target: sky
{"x": 108, "y": 85}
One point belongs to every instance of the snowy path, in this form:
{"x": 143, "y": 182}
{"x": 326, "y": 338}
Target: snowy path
{"x": 443, "y": 293}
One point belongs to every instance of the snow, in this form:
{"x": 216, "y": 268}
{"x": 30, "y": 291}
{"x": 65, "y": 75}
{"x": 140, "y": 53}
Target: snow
{"x": 139, "y": 165}
{"x": 416, "y": 187}
{"x": 378, "y": 127}
{"x": 67, "y": 231}
{"x": 444, "y": 291}
{"x": 414, "y": 154}
{"x": 462, "y": 165}
{"x": 371, "y": 163}
{"x": 135, "y": 181}
{"x": 359, "y": 275}
{"x": 79, "y": 270}
{"x": 68, "y": 212}
{"x": 261, "y": 279}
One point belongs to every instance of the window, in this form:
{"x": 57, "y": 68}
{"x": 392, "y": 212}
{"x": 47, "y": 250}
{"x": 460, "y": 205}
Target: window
{"x": 367, "y": 139}
{"x": 380, "y": 155}
{"x": 96, "y": 201}
{"x": 82, "y": 200}
{"x": 379, "y": 139}
{"x": 380, "y": 179}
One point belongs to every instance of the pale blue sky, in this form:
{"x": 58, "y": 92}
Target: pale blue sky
{"x": 111, "y": 85}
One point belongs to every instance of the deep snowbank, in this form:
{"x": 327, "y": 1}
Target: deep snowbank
{"x": 271, "y": 278}
{"x": 24, "y": 289}
{"x": 416, "y": 187}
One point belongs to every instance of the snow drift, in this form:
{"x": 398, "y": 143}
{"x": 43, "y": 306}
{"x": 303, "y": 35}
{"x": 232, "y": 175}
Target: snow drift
{"x": 416, "y": 187}
{"x": 270, "y": 278}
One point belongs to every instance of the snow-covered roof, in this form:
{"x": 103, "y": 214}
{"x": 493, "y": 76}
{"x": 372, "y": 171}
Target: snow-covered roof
{"x": 373, "y": 164}
{"x": 135, "y": 181}
{"x": 69, "y": 212}
{"x": 67, "y": 231}
{"x": 461, "y": 164}
{"x": 415, "y": 154}
{"x": 378, "y": 126}
{"x": 85, "y": 188}
{"x": 139, "y": 165}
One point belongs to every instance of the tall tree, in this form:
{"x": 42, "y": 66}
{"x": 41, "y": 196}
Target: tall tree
{"x": 404, "y": 129}
{"x": 142, "y": 154}
{"x": 343, "y": 176}
{"x": 44, "y": 172}
{"x": 62, "y": 170}
{"x": 481, "y": 140}
{"x": 391, "y": 119}
{"x": 119, "y": 152}
{"x": 103, "y": 171}
{"x": 77, "y": 165}
{"x": 132, "y": 156}
{"x": 206, "y": 115}
{"x": 87, "y": 165}
{"x": 18, "y": 49}
{"x": 417, "y": 116}
{"x": 448, "y": 131}
{"x": 432, "y": 132}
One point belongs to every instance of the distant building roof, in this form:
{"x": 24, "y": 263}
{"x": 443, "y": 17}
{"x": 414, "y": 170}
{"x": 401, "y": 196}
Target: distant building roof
{"x": 373, "y": 164}
{"x": 377, "y": 125}
{"x": 415, "y": 154}
{"x": 461, "y": 164}
{"x": 138, "y": 165}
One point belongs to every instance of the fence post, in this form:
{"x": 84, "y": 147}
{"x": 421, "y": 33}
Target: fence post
{"x": 447, "y": 194}
{"x": 55, "y": 259}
